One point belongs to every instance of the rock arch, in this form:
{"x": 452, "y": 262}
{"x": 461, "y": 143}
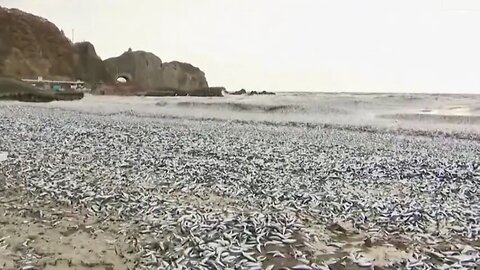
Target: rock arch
{"x": 126, "y": 76}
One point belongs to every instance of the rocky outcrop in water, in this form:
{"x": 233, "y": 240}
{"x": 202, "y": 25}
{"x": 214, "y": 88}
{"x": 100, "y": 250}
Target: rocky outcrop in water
{"x": 254, "y": 93}
{"x": 182, "y": 76}
{"x": 150, "y": 73}
{"x": 139, "y": 67}
{"x": 251, "y": 93}
{"x": 239, "y": 92}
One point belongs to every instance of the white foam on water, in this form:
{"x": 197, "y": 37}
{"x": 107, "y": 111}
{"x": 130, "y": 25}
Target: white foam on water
{"x": 382, "y": 110}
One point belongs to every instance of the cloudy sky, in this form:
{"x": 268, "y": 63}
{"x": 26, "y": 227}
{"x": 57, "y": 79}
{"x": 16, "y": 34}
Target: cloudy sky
{"x": 290, "y": 45}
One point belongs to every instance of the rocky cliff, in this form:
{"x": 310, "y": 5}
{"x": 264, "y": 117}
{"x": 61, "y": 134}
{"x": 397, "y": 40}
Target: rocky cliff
{"x": 89, "y": 67}
{"x": 150, "y": 73}
{"x": 139, "y": 67}
{"x": 182, "y": 76}
{"x": 31, "y": 46}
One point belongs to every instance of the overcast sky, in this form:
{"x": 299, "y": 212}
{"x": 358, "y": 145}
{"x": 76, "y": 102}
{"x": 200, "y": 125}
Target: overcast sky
{"x": 295, "y": 45}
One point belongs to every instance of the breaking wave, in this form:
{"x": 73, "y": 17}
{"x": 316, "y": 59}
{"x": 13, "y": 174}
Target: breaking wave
{"x": 242, "y": 107}
{"x": 251, "y": 107}
{"x": 455, "y": 116}
{"x": 439, "y": 118}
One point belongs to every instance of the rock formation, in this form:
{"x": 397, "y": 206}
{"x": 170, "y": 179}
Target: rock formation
{"x": 147, "y": 70}
{"x": 139, "y": 67}
{"x": 182, "y": 76}
{"x": 239, "y": 92}
{"x": 251, "y": 93}
{"x": 31, "y": 46}
{"x": 89, "y": 67}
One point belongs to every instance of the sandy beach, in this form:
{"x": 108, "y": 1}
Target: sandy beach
{"x": 303, "y": 181}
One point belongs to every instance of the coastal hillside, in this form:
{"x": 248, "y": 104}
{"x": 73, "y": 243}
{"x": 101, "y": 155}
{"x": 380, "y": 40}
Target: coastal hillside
{"x": 31, "y": 46}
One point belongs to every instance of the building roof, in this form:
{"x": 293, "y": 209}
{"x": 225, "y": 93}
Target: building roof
{"x": 52, "y": 81}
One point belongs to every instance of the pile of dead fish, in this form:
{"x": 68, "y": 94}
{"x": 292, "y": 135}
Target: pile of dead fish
{"x": 198, "y": 194}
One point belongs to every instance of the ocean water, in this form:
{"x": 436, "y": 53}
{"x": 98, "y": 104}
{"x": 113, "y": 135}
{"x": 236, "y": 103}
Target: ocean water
{"x": 423, "y": 112}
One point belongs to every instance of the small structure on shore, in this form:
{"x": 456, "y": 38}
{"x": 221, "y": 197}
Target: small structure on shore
{"x": 57, "y": 86}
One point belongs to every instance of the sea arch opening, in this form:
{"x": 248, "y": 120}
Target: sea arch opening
{"x": 123, "y": 78}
